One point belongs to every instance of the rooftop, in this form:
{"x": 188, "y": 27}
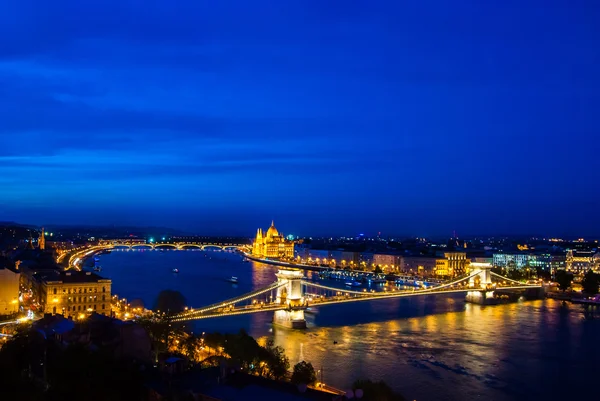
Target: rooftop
{"x": 56, "y": 324}
{"x": 70, "y": 277}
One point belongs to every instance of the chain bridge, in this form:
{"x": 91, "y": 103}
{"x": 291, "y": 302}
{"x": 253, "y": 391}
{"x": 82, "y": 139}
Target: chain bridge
{"x": 291, "y": 294}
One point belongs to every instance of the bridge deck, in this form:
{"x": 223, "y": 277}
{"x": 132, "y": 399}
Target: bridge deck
{"x": 227, "y": 308}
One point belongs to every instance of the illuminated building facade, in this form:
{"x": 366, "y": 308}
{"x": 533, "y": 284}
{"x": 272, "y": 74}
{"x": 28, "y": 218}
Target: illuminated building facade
{"x": 542, "y": 261}
{"x": 272, "y": 244}
{"x": 9, "y": 291}
{"x": 580, "y": 262}
{"x": 73, "y": 293}
{"x": 517, "y": 260}
{"x": 454, "y": 264}
{"x": 389, "y": 263}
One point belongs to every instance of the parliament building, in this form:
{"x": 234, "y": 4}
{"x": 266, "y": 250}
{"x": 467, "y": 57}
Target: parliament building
{"x": 272, "y": 244}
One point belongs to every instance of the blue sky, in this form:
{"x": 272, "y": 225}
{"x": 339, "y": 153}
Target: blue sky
{"x": 332, "y": 117}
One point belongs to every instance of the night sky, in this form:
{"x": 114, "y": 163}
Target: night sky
{"x": 331, "y": 117}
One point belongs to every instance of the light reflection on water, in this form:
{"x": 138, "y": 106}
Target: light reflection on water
{"x": 429, "y": 348}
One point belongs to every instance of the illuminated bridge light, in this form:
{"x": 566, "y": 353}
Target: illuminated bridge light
{"x": 228, "y": 308}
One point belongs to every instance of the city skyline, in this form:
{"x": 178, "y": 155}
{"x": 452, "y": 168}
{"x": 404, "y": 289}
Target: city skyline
{"x": 330, "y": 119}
{"x": 156, "y": 232}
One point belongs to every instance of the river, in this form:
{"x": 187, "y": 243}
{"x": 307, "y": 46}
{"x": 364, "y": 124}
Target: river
{"x": 428, "y": 348}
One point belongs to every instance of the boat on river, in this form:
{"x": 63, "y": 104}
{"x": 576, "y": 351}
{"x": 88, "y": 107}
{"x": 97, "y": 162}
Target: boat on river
{"x": 588, "y": 301}
{"x": 353, "y": 284}
{"x": 233, "y": 280}
{"x": 175, "y": 270}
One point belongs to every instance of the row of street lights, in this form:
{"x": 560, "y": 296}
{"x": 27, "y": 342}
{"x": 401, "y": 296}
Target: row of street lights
{"x": 333, "y": 263}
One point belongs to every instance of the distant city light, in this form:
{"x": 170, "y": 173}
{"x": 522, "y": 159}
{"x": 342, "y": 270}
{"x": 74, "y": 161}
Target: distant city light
{"x": 151, "y": 240}
{"x": 163, "y": 238}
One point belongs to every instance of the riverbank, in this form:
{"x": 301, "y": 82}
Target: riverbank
{"x": 284, "y": 264}
{"x": 575, "y": 298}
{"x": 301, "y": 265}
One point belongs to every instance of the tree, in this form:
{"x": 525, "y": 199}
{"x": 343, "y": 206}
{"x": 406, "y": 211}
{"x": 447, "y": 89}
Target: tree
{"x": 378, "y": 270}
{"x": 304, "y": 373}
{"x": 515, "y": 274}
{"x": 190, "y": 346}
{"x": 498, "y": 270}
{"x": 376, "y": 391}
{"x": 277, "y": 361}
{"x": 170, "y": 301}
{"x": 160, "y": 330}
{"x": 541, "y": 273}
{"x": 563, "y": 279}
{"x": 590, "y": 282}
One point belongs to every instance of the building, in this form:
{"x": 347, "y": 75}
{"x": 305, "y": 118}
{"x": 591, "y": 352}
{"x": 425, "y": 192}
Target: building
{"x": 453, "y": 264}
{"x": 72, "y": 293}
{"x": 580, "y": 262}
{"x": 507, "y": 260}
{"x": 127, "y": 339}
{"x": 55, "y": 327}
{"x": 422, "y": 265}
{"x": 9, "y": 291}
{"x": 272, "y": 244}
{"x": 558, "y": 262}
{"x": 42, "y": 240}
{"x": 542, "y": 261}
{"x": 366, "y": 259}
{"x": 389, "y": 263}
{"x": 346, "y": 258}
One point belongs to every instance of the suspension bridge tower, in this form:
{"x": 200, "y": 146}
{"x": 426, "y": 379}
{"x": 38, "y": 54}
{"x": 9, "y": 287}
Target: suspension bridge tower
{"x": 480, "y": 283}
{"x": 290, "y": 294}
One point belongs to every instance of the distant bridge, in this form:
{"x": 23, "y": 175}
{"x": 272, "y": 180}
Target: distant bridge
{"x": 179, "y": 245}
{"x": 291, "y": 294}
{"x": 76, "y": 257}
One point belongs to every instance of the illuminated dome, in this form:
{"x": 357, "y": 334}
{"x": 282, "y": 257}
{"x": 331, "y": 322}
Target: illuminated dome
{"x": 272, "y": 231}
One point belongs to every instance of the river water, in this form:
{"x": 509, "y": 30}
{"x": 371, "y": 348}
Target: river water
{"x": 428, "y": 348}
